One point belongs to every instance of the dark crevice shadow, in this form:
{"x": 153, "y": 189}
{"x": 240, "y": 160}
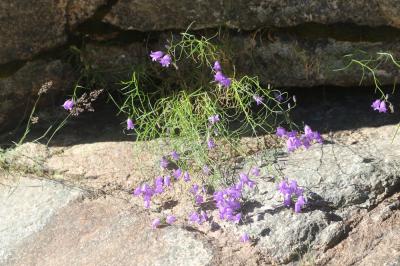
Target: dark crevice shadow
{"x": 324, "y": 109}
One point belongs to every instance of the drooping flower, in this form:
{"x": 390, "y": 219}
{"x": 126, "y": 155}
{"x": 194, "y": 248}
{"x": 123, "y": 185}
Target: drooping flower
{"x": 228, "y": 203}
{"x": 317, "y": 137}
{"x": 278, "y": 96}
{"x": 292, "y": 133}
{"x": 299, "y": 204}
{"x": 287, "y": 200}
{"x": 195, "y": 189}
{"x": 259, "y": 99}
{"x": 226, "y": 82}
{"x": 379, "y": 106}
{"x": 177, "y": 173}
{"x": 237, "y": 217}
{"x": 255, "y": 171}
{"x": 165, "y": 61}
{"x": 217, "y": 66}
{"x": 213, "y": 119}
{"x": 290, "y": 191}
{"x": 245, "y": 180}
{"x": 206, "y": 170}
{"x": 307, "y": 131}
{"x": 175, "y": 155}
{"x": 199, "y": 199}
{"x": 167, "y": 181}
{"x": 221, "y": 79}
{"x": 137, "y": 191}
{"x": 129, "y": 124}
{"x": 375, "y": 104}
{"x": 68, "y": 104}
{"x": 280, "y": 132}
{"x": 164, "y": 162}
{"x": 245, "y": 238}
{"x": 293, "y": 143}
{"x": 170, "y": 219}
{"x": 159, "y": 183}
{"x": 294, "y": 140}
{"x": 382, "y": 107}
{"x": 195, "y": 217}
{"x": 186, "y": 176}
{"x": 210, "y": 144}
{"x": 283, "y": 187}
{"x": 156, "y": 223}
{"x": 156, "y": 56}
{"x": 147, "y": 192}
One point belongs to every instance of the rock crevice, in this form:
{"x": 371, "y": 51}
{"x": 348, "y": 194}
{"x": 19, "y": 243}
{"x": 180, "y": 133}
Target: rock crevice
{"x": 285, "y": 43}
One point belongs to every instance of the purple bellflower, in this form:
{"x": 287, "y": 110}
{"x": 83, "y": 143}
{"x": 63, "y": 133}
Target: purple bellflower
{"x": 129, "y": 124}
{"x": 170, "y": 219}
{"x": 68, "y": 104}
{"x": 175, "y": 155}
{"x": 259, "y": 99}
{"x": 292, "y": 190}
{"x": 156, "y": 56}
{"x": 217, "y": 66}
{"x": 164, "y": 162}
{"x": 255, "y": 171}
{"x": 213, "y": 119}
{"x": 177, "y": 173}
{"x": 245, "y": 238}
{"x": 165, "y": 61}
{"x": 156, "y": 223}
{"x": 379, "y": 106}
{"x": 186, "y": 176}
{"x": 210, "y": 144}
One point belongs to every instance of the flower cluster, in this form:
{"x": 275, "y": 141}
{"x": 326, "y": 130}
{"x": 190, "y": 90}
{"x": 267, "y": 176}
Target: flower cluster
{"x": 83, "y": 103}
{"x": 290, "y": 192}
{"x": 219, "y": 77}
{"x": 198, "y": 218}
{"x": 379, "y": 105}
{"x": 161, "y": 182}
{"x": 147, "y": 191}
{"x": 294, "y": 140}
{"x": 228, "y": 200}
{"x": 163, "y": 59}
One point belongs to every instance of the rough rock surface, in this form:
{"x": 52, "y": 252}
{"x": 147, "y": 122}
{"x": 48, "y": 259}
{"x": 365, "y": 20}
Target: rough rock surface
{"x": 79, "y": 11}
{"x": 374, "y": 241}
{"x": 340, "y": 178}
{"x": 309, "y": 62}
{"x": 106, "y": 232}
{"x": 352, "y": 184}
{"x": 148, "y": 15}
{"x": 27, "y": 29}
{"x": 291, "y": 43}
{"x": 306, "y": 62}
{"x": 27, "y": 205}
{"x": 42, "y": 25}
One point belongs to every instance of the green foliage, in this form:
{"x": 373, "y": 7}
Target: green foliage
{"x": 371, "y": 66}
{"x": 174, "y": 104}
